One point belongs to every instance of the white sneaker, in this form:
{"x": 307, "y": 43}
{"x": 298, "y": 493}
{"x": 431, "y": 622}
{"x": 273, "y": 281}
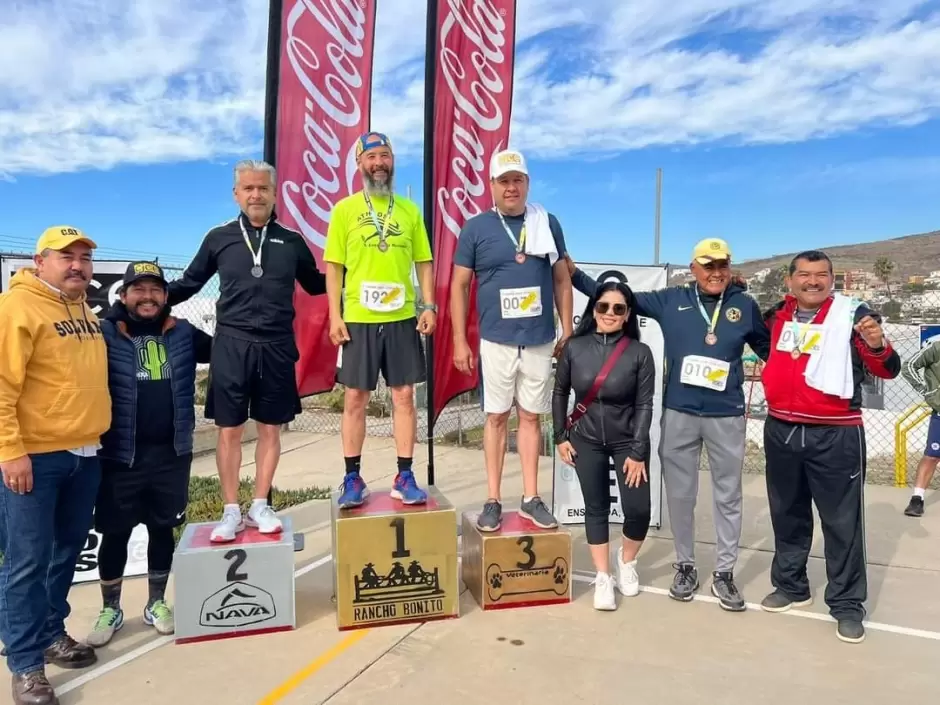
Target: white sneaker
{"x": 604, "y": 598}
{"x": 264, "y": 519}
{"x": 226, "y": 529}
{"x": 627, "y": 579}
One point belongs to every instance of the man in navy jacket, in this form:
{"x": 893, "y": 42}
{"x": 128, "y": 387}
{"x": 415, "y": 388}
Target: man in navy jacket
{"x": 147, "y": 453}
{"x": 705, "y": 327}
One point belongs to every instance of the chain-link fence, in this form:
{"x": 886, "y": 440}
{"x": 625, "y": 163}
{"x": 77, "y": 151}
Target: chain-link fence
{"x": 895, "y": 418}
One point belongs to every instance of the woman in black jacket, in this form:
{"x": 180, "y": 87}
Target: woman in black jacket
{"x": 615, "y": 424}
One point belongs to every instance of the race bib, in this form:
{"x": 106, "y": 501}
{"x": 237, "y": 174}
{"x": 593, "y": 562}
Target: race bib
{"x": 812, "y": 340}
{"x": 382, "y": 298}
{"x": 707, "y": 372}
{"x": 525, "y": 302}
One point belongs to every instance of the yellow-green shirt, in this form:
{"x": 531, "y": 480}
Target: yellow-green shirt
{"x": 379, "y": 286}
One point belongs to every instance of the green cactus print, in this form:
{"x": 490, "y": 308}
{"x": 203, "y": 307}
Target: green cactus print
{"x": 151, "y": 360}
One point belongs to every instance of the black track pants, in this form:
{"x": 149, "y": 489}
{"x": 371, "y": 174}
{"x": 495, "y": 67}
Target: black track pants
{"x": 824, "y": 465}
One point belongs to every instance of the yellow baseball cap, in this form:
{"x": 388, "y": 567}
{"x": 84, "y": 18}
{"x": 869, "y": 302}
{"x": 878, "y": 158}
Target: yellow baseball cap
{"x": 711, "y": 249}
{"x": 58, "y": 237}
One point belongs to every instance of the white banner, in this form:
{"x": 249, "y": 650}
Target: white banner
{"x": 567, "y": 501}
{"x": 86, "y": 567}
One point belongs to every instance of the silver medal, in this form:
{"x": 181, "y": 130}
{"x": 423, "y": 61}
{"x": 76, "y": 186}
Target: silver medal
{"x": 257, "y": 271}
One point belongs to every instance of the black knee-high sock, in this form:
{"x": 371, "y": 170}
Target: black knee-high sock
{"x": 112, "y": 559}
{"x": 159, "y": 561}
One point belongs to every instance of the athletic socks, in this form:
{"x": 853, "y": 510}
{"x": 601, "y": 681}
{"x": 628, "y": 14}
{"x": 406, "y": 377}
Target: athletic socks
{"x": 352, "y": 463}
{"x": 156, "y": 581}
{"x": 111, "y": 593}
{"x": 404, "y": 464}
{"x": 919, "y": 492}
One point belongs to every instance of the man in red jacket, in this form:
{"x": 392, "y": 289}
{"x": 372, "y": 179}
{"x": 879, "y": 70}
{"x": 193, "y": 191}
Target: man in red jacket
{"x": 814, "y": 438}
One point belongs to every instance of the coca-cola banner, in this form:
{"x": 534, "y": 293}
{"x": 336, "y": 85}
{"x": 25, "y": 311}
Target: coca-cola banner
{"x": 324, "y": 98}
{"x": 473, "y": 97}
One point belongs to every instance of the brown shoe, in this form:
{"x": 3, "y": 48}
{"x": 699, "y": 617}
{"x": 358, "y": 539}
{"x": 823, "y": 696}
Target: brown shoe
{"x": 68, "y": 653}
{"x": 33, "y": 689}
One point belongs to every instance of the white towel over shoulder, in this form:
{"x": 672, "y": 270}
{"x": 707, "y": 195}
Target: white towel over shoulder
{"x": 539, "y": 240}
{"x": 830, "y": 370}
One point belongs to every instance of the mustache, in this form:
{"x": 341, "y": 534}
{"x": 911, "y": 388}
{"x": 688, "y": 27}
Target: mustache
{"x": 75, "y": 275}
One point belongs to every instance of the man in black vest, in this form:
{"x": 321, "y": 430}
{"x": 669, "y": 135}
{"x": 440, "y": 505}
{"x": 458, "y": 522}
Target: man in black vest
{"x": 147, "y": 453}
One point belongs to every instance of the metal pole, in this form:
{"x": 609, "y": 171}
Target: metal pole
{"x": 659, "y": 208}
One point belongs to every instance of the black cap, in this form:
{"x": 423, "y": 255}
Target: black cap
{"x": 143, "y": 270}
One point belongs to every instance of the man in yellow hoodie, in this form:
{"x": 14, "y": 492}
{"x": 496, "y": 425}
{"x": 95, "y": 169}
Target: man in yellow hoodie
{"x": 54, "y": 406}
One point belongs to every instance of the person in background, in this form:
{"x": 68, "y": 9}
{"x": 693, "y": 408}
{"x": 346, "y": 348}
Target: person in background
{"x": 922, "y": 372}
{"x": 814, "y": 438}
{"x": 613, "y": 376}
{"x": 375, "y": 241}
{"x": 259, "y": 262}
{"x": 515, "y": 252}
{"x": 147, "y": 453}
{"x": 705, "y": 327}
{"x": 54, "y": 406}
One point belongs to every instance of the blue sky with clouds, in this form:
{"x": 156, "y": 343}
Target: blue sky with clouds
{"x": 779, "y": 124}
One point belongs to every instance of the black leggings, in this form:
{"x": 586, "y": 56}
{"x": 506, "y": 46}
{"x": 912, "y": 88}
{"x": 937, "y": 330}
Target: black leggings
{"x": 112, "y": 556}
{"x": 592, "y": 463}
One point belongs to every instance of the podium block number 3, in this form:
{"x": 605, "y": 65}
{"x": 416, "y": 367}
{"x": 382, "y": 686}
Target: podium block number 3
{"x": 526, "y": 543}
{"x": 237, "y": 558}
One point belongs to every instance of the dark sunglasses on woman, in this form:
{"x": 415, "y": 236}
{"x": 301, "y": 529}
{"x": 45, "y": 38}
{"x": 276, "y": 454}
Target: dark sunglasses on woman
{"x": 602, "y": 307}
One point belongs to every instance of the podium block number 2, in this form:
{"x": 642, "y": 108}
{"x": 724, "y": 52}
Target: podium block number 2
{"x": 236, "y": 558}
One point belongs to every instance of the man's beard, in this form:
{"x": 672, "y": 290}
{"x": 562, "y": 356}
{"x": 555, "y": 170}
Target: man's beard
{"x": 378, "y": 188}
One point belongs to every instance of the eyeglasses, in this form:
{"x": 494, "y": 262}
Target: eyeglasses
{"x": 603, "y": 307}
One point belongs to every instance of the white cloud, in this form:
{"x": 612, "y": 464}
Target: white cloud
{"x": 97, "y": 83}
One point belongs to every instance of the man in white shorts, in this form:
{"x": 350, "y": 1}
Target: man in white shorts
{"x": 517, "y": 254}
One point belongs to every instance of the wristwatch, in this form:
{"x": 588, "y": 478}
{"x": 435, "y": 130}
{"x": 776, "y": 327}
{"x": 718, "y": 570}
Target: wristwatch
{"x": 428, "y": 307}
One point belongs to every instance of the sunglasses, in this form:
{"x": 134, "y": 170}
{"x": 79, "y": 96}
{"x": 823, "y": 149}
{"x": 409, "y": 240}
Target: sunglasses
{"x": 603, "y": 307}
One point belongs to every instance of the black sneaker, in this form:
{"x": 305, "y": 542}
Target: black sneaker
{"x": 491, "y": 518}
{"x": 780, "y": 602}
{"x": 915, "y": 508}
{"x": 851, "y": 631}
{"x": 538, "y": 513}
{"x": 726, "y": 591}
{"x": 685, "y": 583}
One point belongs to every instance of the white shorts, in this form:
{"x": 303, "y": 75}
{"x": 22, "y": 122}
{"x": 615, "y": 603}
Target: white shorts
{"x": 523, "y": 374}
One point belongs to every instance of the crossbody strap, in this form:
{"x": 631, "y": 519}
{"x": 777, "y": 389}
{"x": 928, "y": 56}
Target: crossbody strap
{"x": 580, "y": 409}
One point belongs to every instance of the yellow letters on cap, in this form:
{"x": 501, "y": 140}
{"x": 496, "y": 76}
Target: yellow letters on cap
{"x": 505, "y": 159}
{"x": 146, "y": 268}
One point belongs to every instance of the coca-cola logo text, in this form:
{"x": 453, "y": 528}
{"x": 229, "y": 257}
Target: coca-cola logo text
{"x": 482, "y": 24}
{"x": 335, "y": 102}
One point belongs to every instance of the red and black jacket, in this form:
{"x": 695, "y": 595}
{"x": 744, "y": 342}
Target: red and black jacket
{"x": 790, "y": 398}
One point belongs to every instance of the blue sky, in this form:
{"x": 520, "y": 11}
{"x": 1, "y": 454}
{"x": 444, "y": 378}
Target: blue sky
{"x": 779, "y": 124}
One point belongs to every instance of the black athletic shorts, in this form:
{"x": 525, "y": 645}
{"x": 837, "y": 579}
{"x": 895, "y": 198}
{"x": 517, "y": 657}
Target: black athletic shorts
{"x": 394, "y": 349}
{"x": 252, "y": 380}
{"x": 154, "y": 491}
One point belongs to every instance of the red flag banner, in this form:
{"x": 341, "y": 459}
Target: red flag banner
{"x": 324, "y": 100}
{"x": 475, "y": 49}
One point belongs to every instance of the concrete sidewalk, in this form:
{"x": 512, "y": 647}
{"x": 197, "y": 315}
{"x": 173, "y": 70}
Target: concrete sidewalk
{"x": 652, "y": 647}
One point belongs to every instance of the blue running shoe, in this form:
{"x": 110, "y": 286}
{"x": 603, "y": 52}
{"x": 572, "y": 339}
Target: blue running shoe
{"x": 406, "y": 489}
{"x": 354, "y": 491}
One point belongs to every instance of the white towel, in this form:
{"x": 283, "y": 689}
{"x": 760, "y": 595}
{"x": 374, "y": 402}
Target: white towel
{"x": 538, "y": 233}
{"x": 830, "y": 370}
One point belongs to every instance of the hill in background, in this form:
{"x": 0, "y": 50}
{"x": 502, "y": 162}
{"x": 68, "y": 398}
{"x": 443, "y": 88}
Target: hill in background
{"x": 912, "y": 254}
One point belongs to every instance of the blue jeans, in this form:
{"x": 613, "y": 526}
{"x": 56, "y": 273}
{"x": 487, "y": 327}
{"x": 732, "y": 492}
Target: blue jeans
{"x": 42, "y": 534}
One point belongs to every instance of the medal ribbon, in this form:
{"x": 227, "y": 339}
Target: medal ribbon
{"x": 798, "y": 327}
{"x": 255, "y": 256}
{"x": 518, "y": 244}
{"x": 382, "y": 232}
{"x": 713, "y": 323}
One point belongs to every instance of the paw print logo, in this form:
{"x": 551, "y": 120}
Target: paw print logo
{"x": 496, "y": 581}
{"x": 560, "y": 574}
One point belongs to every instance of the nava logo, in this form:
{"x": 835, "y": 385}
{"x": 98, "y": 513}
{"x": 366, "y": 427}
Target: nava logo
{"x": 237, "y": 605}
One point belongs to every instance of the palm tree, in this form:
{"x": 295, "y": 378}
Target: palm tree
{"x": 883, "y": 268}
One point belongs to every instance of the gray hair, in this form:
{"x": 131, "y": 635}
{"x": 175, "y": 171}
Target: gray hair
{"x": 255, "y": 165}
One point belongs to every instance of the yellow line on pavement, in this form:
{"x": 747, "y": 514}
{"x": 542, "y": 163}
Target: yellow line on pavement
{"x": 291, "y": 684}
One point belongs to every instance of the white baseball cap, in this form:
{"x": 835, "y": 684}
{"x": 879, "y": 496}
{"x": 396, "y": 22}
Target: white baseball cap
{"x": 506, "y": 161}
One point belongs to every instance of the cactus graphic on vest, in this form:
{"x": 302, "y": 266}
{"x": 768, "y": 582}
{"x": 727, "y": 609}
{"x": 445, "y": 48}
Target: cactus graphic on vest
{"x": 152, "y": 364}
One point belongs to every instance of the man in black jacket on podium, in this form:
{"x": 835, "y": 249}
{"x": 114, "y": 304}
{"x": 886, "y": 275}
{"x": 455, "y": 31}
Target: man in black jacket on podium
{"x": 251, "y": 374}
